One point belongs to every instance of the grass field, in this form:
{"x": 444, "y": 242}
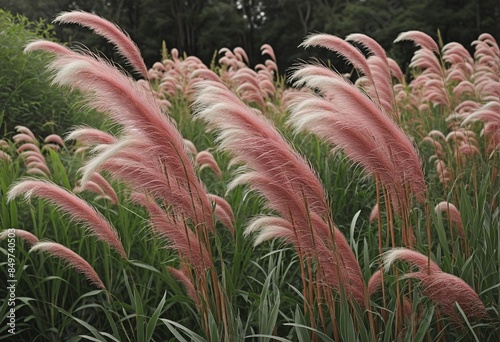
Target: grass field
{"x": 232, "y": 203}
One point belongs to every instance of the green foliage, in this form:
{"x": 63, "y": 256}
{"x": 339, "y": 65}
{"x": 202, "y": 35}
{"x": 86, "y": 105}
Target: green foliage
{"x": 26, "y": 97}
{"x": 262, "y": 287}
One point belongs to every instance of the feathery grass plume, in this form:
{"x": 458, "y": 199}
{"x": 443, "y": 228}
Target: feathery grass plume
{"x": 30, "y": 155}
{"x": 173, "y": 229}
{"x": 54, "y": 139}
{"x": 287, "y": 182}
{"x": 367, "y": 136}
{"x": 25, "y": 130}
{"x": 455, "y": 53}
{"x": 266, "y": 49}
{"x": 414, "y": 258}
{"x": 29, "y": 147}
{"x": 183, "y": 277}
{"x": 53, "y": 147}
{"x": 24, "y": 138}
{"x": 241, "y": 54}
{"x": 445, "y": 290}
{"x": 442, "y": 171}
{"x": 252, "y": 139}
{"x": 368, "y": 43}
{"x": 190, "y": 147}
{"x": 270, "y": 227}
{"x": 145, "y": 173}
{"x": 419, "y": 38}
{"x": 23, "y": 234}
{"x": 78, "y": 210}
{"x": 375, "y": 282}
{"x": 130, "y": 105}
{"x": 33, "y": 165}
{"x": 107, "y": 189}
{"x": 4, "y": 145}
{"x": 5, "y": 156}
{"x": 125, "y": 46}
{"x": 379, "y": 88}
{"x": 91, "y": 136}
{"x": 438, "y": 148}
{"x": 490, "y": 112}
{"x": 442, "y": 288}
{"x": 395, "y": 69}
{"x": 223, "y": 211}
{"x": 74, "y": 260}
{"x": 89, "y": 186}
{"x": 453, "y": 215}
{"x": 374, "y": 213}
{"x": 347, "y": 51}
{"x": 206, "y": 159}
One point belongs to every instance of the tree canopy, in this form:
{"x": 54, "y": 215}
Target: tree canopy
{"x": 201, "y": 27}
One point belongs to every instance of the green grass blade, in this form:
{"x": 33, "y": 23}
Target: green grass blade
{"x": 154, "y": 318}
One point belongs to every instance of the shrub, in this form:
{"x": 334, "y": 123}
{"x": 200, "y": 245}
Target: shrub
{"x": 26, "y": 97}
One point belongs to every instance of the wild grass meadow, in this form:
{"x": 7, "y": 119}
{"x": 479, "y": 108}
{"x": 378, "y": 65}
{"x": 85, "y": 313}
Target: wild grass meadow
{"x": 231, "y": 203}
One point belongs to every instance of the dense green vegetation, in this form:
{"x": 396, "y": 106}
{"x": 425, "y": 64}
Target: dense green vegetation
{"x": 274, "y": 290}
{"x": 26, "y": 97}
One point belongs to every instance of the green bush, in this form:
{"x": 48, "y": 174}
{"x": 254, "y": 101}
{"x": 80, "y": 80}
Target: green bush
{"x": 26, "y": 97}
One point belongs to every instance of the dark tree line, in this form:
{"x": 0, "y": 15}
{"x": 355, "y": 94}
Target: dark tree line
{"x": 201, "y": 27}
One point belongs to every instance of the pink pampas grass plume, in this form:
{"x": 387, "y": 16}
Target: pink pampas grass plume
{"x": 184, "y": 278}
{"x": 442, "y": 288}
{"x": 75, "y": 207}
{"x": 223, "y": 211}
{"x": 25, "y": 130}
{"x": 24, "y": 138}
{"x": 89, "y": 186}
{"x": 5, "y": 156}
{"x": 190, "y": 147}
{"x": 38, "y": 166}
{"x": 288, "y": 184}
{"x": 419, "y": 38}
{"x": 54, "y": 139}
{"x": 453, "y": 215}
{"x": 241, "y": 54}
{"x": 395, "y": 69}
{"x": 414, "y": 258}
{"x": 362, "y": 130}
{"x": 350, "y": 53}
{"x": 375, "y": 282}
{"x": 73, "y": 260}
{"x": 125, "y": 46}
{"x": 368, "y": 43}
{"x": 206, "y": 159}
{"x": 130, "y": 105}
{"x": 252, "y": 139}
{"x": 266, "y": 49}
{"x": 23, "y": 234}
{"x": 4, "y": 145}
{"x": 91, "y": 136}
{"x": 29, "y": 147}
{"x": 53, "y": 147}
{"x": 179, "y": 237}
{"x": 107, "y": 189}
{"x": 447, "y": 290}
{"x": 374, "y": 213}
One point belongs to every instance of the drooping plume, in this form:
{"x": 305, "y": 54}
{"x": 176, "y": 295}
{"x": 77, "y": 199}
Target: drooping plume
{"x": 73, "y": 260}
{"x": 349, "y": 120}
{"x": 125, "y": 46}
{"x": 287, "y": 183}
{"x": 78, "y": 210}
{"x": 442, "y": 288}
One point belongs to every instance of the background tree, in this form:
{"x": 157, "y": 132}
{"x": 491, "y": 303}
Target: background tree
{"x": 200, "y": 27}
